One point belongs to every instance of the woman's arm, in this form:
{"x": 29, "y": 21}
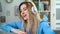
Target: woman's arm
{"x": 12, "y": 27}
{"x": 46, "y": 28}
{"x": 8, "y": 26}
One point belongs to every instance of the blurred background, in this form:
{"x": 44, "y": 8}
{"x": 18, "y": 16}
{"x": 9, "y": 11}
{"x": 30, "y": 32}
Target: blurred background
{"x": 48, "y": 10}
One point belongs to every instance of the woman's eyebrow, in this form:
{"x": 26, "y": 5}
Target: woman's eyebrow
{"x": 23, "y": 8}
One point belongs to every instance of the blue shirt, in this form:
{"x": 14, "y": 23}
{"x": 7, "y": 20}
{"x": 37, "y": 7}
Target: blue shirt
{"x": 43, "y": 27}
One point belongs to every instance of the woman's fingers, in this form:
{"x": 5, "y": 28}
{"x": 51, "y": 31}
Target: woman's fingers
{"x": 21, "y": 32}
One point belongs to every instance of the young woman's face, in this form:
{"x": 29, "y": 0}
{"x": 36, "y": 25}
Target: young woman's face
{"x": 24, "y": 11}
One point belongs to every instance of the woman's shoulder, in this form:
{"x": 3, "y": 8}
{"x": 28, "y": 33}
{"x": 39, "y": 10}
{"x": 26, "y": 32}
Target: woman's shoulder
{"x": 18, "y": 20}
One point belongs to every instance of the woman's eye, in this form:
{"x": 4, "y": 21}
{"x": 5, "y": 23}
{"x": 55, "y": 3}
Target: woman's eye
{"x": 25, "y": 9}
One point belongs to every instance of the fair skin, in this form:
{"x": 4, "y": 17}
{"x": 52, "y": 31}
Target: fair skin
{"x": 24, "y": 14}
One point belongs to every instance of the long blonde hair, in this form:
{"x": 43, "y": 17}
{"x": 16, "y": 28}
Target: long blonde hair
{"x": 32, "y": 19}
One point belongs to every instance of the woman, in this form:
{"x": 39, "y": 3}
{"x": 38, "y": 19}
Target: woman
{"x": 29, "y": 23}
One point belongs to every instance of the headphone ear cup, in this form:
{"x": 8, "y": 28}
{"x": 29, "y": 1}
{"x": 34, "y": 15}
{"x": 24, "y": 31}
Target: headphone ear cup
{"x": 34, "y": 10}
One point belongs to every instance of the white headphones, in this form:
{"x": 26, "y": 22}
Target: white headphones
{"x": 34, "y": 9}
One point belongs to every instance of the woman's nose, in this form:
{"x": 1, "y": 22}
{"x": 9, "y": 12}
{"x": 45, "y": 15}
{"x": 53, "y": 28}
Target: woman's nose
{"x": 22, "y": 12}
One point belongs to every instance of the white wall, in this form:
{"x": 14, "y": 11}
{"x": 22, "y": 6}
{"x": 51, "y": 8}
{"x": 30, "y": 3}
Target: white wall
{"x": 9, "y": 8}
{"x": 0, "y": 12}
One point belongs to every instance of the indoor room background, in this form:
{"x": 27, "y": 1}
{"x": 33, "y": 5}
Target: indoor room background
{"x": 48, "y": 10}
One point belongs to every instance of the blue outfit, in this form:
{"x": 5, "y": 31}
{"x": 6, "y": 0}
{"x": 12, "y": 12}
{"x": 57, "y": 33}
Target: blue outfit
{"x": 43, "y": 27}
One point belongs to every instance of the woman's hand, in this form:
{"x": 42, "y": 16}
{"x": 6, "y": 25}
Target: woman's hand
{"x": 21, "y": 32}
{"x": 17, "y": 31}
